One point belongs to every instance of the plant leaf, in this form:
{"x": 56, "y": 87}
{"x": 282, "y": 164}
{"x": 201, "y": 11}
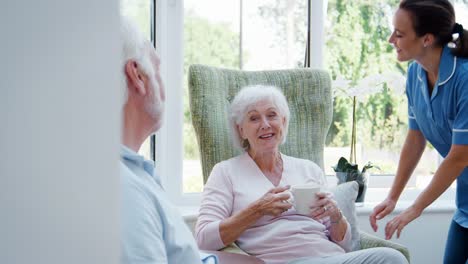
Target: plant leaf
{"x": 341, "y": 166}
{"x": 369, "y": 165}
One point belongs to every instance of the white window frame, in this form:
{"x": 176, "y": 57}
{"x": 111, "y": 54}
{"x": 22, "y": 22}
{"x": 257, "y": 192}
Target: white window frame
{"x": 169, "y": 43}
{"x": 169, "y": 144}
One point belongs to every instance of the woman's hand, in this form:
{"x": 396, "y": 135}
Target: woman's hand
{"x": 325, "y": 206}
{"x": 400, "y": 221}
{"x": 380, "y": 211}
{"x": 274, "y": 202}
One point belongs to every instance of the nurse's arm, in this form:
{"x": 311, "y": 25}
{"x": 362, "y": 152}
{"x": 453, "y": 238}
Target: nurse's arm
{"x": 448, "y": 171}
{"x": 410, "y": 155}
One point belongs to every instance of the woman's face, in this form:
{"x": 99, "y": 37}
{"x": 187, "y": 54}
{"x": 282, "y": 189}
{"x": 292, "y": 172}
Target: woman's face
{"x": 407, "y": 44}
{"x": 263, "y": 127}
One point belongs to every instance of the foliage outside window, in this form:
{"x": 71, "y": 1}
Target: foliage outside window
{"x": 273, "y": 36}
{"x": 356, "y": 48}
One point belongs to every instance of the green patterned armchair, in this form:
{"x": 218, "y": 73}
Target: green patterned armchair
{"x": 309, "y": 96}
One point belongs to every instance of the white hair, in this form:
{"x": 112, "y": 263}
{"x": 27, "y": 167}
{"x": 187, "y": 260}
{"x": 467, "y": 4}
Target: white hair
{"x": 135, "y": 46}
{"x": 248, "y": 97}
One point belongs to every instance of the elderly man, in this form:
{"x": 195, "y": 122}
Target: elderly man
{"x": 152, "y": 230}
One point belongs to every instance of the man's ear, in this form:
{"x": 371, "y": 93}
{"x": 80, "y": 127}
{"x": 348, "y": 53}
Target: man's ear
{"x": 134, "y": 77}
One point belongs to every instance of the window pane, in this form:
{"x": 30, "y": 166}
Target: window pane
{"x": 140, "y": 11}
{"x": 461, "y": 12}
{"x": 274, "y": 34}
{"x": 357, "y": 51}
{"x": 210, "y": 38}
{"x": 267, "y": 34}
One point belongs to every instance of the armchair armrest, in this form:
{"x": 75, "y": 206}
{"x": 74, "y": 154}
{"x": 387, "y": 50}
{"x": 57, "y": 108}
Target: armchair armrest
{"x": 370, "y": 241}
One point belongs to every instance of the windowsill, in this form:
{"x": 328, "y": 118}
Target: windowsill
{"x": 444, "y": 204}
{"x": 439, "y": 206}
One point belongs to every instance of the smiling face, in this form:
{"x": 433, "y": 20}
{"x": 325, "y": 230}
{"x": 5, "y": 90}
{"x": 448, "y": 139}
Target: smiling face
{"x": 263, "y": 127}
{"x": 407, "y": 44}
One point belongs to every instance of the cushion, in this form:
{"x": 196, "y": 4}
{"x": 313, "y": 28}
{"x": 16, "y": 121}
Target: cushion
{"x": 345, "y": 194}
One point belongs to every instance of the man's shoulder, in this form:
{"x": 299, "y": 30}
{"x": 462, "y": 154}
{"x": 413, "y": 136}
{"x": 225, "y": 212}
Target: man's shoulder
{"x": 142, "y": 206}
{"x": 129, "y": 179}
{"x": 151, "y": 224}
{"x": 139, "y": 192}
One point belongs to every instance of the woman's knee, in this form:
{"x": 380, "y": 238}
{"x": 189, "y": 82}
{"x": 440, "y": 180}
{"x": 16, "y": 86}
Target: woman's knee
{"x": 390, "y": 255}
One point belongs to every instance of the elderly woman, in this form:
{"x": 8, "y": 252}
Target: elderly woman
{"x": 246, "y": 198}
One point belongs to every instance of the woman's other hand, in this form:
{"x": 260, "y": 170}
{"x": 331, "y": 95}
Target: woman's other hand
{"x": 274, "y": 202}
{"x": 325, "y": 206}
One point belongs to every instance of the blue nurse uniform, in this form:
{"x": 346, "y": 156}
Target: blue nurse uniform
{"x": 442, "y": 116}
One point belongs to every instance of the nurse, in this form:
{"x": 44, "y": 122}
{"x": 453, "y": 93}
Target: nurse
{"x": 425, "y": 32}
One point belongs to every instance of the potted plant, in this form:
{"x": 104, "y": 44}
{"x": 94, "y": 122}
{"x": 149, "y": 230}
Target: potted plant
{"x": 348, "y": 170}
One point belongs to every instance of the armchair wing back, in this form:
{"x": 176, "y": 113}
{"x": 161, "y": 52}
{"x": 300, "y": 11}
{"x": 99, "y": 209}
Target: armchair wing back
{"x": 307, "y": 91}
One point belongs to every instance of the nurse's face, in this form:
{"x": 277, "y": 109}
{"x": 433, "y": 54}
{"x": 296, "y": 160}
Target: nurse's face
{"x": 407, "y": 44}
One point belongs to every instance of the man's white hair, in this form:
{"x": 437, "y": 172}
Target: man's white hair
{"x": 247, "y": 98}
{"x": 135, "y": 46}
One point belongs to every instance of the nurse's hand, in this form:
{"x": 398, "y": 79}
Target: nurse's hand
{"x": 400, "y": 221}
{"x": 380, "y": 211}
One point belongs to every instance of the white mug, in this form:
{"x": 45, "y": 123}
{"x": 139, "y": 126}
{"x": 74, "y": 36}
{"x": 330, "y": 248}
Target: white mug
{"x": 304, "y": 197}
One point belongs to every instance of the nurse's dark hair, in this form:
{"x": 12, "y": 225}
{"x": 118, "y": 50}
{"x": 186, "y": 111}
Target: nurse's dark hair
{"x": 437, "y": 17}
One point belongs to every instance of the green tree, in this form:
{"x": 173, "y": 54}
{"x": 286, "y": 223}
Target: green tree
{"x": 289, "y": 19}
{"x": 208, "y": 43}
{"x": 357, "y": 46}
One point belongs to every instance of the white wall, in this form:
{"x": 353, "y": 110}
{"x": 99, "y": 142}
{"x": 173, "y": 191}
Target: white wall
{"x": 59, "y": 136}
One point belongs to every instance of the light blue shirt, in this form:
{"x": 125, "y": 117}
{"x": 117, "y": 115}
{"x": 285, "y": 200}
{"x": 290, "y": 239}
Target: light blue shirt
{"x": 442, "y": 117}
{"x": 152, "y": 229}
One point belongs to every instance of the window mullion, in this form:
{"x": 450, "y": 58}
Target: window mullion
{"x": 169, "y": 148}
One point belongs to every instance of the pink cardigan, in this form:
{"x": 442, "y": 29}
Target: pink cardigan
{"x": 236, "y": 183}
